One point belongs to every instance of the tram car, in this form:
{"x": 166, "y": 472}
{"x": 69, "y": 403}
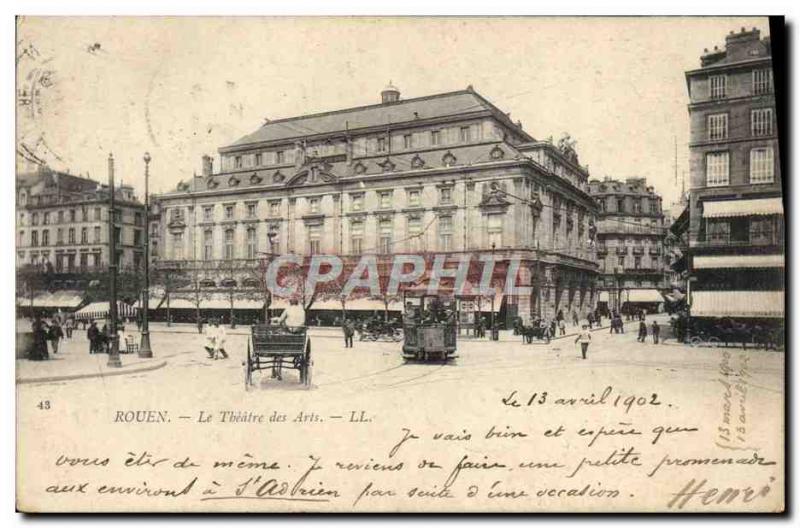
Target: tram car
{"x": 429, "y": 327}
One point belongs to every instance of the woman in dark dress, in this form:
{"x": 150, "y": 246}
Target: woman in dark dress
{"x": 40, "y": 334}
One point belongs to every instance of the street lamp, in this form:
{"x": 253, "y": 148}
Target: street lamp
{"x": 114, "y": 360}
{"x": 491, "y": 316}
{"x": 271, "y": 234}
{"x": 144, "y": 347}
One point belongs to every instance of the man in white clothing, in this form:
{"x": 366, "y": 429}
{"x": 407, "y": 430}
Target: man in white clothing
{"x": 293, "y": 317}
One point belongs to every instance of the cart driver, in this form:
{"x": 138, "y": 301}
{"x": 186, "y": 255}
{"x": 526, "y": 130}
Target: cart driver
{"x": 293, "y": 318}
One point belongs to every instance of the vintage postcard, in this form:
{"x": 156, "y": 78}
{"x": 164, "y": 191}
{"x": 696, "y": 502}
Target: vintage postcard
{"x": 400, "y": 264}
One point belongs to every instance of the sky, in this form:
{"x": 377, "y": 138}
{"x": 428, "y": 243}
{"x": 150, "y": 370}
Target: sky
{"x": 179, "y": 88}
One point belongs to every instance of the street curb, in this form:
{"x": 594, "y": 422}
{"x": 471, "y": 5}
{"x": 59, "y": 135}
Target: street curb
{"x": 93, "y": 375}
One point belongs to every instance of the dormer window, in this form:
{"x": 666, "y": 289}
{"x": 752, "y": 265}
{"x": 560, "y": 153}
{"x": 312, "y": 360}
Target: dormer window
{"x": 408, "y": 141}
{"x": 258, "y": 159}
{"x": 436, "y": 137}
{"x": 279, "y": 157}
{"x": 237, "y": 162}
{"x": 381, "y": 144}
{"x": 464, "y": 134}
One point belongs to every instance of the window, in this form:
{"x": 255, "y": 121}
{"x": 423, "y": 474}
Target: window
{"x": 357, "y": 202}
{"x": 97, "y": 234}
{"x": 46, "y": 219}
{"x": 34, "y": 238}
{"x": 251, "y": 243}
{"x": 177, "y": 245}
{"x": 718, "y": 85}
{"x": 137, "y": 237}
{"x": 414, "y": 198}
{"x": 762, "y": 230}
{"x": 314, "y": 236}
{"x": 414, "y": 233}
{"x": 637, "y": 207}
{"x": 84, "y": 260}
{"x": 762, "y": 81}
{"x": 385, "y": 199}
{"x": 313, "y": 205}
{"x": 356, "y": 237}
{"x": 464, "y": 134}
{"x": 228, "y": 212}
{"x": 237, "y": 162}
{"x": 251, "y": 210}
{"x": 762, "y": 165}
{"x": 137, "y": 219}
{"x": 258, "y": 159}
{"x": 72, "y": 215}
{"x": 208, "y": 244}
{"x": 61, "y": 217}
{"x": 446, "y": 195}
{"x": 279, "y": 157}
{"x": 637, "y": 262}
{"x": 621, "y": 261}
{"x": 718, "y": 126}
{"x": 654, "y": 207}
{"x": 71, "y": 235}
{"x": 761, "y": 122}
{"x": 274, "y": 208}
{"x": 84, "y": 235}
{"x": 208, "y": 213}
{"x": 718, "y": 231}
{"x": 228, "y": 244}
{"x": 408, "y": 141}
{"x": 385, "y": 235}
{"x": 446, "y": 233}
{"x": 59, "y": 236}
{"x": 717, "y": 169}
{"x": 495, "y": 229}
{"x": 381, "y": 144}
{"x": 620, "y": 204}
{"x": 35, "y": 219}
{"x": 97, "y": 213}
{"x": 436, "y": 137}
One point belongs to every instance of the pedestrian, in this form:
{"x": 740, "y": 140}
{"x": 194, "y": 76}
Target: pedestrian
{"x": 574, "y": 318}
{"x": 642, "y": 332}
{"x": 55, "y": 334}
{"x": 92, "y": 334}
{"x": 656, "y": 331}
{"x": 349, "y": 329}
{"x": 560, "y": 316}
{"x": 590, "y": 319}
{"x": 68, "y": 325}
{"x": 211, "y": 339}
{"x": 562, "y": 327}
{"x": 40, "y": 333}
{"x": 548, "y": 331}
{"x": 585, "y": 337}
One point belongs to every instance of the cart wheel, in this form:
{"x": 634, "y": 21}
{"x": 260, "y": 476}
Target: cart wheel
{"x": 714, "y": 341}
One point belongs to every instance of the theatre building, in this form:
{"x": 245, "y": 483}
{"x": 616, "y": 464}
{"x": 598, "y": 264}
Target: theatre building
{"x": 631, "y": 231}
{"x": 447, "y": 173}
{"x": 736, "y": 237}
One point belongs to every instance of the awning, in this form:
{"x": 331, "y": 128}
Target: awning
{"x": 223, "y": 302}
{"x": 737, "y": 304}
{"x": 603, "y": 297}
{"x": 58, "y": 299}
{"x": 152, "y": 303}
{"x": 99, "y": 310}
{"x": 647, "y": 296}
{"x": 738, "y": 261}
{"x": 733, "y": 208}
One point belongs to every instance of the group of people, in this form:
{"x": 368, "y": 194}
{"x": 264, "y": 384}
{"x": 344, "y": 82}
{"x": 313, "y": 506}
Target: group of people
{"x": 47, "y": 336}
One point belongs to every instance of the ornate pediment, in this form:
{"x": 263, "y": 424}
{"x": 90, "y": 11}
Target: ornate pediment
{"x": 233, "y": 181}
{"x": 255, "y": 179}
{"x": 417, "y": 162}
{"x": 212, "y": 183}
{"x": 386, "y": 165}
{"x": 313, "y": 173}
{"x": 278, "y": 177}
{"x": 497, "y": 153}
{"x": 494, "y": 196}
{"x": 359, "y": 168}
{"x": 449, "y": 159}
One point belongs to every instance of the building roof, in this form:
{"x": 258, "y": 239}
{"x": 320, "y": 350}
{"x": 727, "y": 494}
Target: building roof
{"x": 428, "y": 107}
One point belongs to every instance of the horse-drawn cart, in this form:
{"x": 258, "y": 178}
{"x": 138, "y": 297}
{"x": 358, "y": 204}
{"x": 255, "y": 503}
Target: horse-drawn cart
{"x": 277, "y": 348}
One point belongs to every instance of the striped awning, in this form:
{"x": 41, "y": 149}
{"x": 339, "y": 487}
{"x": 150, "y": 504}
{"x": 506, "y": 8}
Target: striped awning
{"x": 734, "y": 208}
{"x": 99, "y": 310}
{"x": 737, "y": 304}
{"x": 738, "y": 261}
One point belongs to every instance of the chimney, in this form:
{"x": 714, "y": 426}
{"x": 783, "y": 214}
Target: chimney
{"x": 208, "y": 165}
{"x": 390, "y": 94}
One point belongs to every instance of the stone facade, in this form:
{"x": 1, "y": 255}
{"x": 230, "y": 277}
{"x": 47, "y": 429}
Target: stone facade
{"x": 630, "y": 238}
{"x": 62, "y": 223}
{"x": 448, "y": 173}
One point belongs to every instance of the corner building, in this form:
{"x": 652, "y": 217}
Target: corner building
{"x": 630, "y": 244}
{"x": 447, "y": 173}
{"x": 736, "y": 235}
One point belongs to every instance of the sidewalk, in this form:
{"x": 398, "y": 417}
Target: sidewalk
{"x": 73, "y": 361}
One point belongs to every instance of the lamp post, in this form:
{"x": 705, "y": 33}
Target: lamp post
{"x": 491, "y": 316}
{"x": 144, "y": 347}
{"x": 271, "y": 239}
{"x": 114, "y": 360}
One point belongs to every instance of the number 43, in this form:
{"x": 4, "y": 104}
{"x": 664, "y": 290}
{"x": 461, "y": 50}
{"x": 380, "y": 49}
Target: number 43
{"x": 43, "y": 405}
